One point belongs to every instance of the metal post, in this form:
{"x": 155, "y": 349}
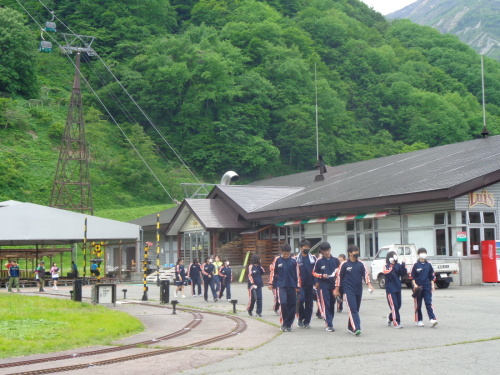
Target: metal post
{"x": 157, "y": 249}
{"x": 85, "y": 250}
{"x": 234, "y": 302}
{"x": 145, "y": 263}
{"x": 174, "y": 303}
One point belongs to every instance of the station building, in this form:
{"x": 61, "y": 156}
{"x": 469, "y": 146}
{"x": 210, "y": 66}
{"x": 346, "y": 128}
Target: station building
{"x": 445, "y": 199}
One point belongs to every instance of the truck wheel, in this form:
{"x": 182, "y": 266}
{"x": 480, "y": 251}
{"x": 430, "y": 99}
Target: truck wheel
{"x": 381, "y": 282}
{"x": 442, "y": 284}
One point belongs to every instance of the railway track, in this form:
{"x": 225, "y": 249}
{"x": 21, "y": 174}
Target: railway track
{"x": 240, "y": 326}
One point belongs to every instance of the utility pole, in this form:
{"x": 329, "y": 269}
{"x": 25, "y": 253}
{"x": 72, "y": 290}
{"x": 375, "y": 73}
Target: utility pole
{"x": 71, "y": 189}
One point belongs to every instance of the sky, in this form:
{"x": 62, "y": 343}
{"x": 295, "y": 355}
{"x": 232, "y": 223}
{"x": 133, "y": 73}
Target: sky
{"x": 387, "y": 6}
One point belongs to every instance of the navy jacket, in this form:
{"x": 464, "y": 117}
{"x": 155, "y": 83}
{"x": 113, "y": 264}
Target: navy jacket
{"x": 351, "y": 277}
{"x": 306, "y": 266}
{"x": 284, "y": 273}
{"x": 326, "y": 266}
{"x": 393, "y": 273}
{"x": 194, "y": 271}
{"x": 423, "y": 274}
{"x": 180, "y": 273}
{"x": 255, "y": 273}
{"x": 227, "y": 273}
{"x": 207, "y": 269}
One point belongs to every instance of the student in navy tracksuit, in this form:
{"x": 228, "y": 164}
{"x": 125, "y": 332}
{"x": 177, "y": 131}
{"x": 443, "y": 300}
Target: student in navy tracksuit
{"x": 207, "y": 269}
{"x": 180, "y": 278}
{"x": 351, "y": 276}
{"x": 255, "y": 284}
{"x": 393, "y": 271}
{"x": 305, "y": 265}
{"x": 194, "y": 273}
{"x": 325, "y": 271}
{"x": 226, "y": 275}
{"x": 285, "y": 279}
{"x": 422, "y": 275}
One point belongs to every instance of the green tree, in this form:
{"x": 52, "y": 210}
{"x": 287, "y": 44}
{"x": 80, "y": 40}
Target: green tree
{"x": 17, "y": 56}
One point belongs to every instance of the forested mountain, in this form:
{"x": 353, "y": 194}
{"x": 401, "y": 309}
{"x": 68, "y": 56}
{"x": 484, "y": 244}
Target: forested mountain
{"x": 474, "y": 22}
{"x": 231, "y": 84}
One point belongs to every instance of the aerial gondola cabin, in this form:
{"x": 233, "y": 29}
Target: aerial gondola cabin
{"x": 45, "y": 46}
{"x": 50, "y": 27}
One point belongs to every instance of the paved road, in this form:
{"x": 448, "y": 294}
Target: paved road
{"x": 466, "y": 340}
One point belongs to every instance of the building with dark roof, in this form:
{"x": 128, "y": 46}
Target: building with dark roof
{"x": 445, "y": 199}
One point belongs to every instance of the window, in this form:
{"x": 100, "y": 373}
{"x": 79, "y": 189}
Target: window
{"x": 349, "y": 226}
{"x": 440, "y": 241}
{"x": 368, "y": 224}
{"x": 489, "y": 217}
{"x": 489, "y": 234}
{"x": 474, "y": 217}
{"x": 439, "y": 219}
{"x": 474, "y": 240}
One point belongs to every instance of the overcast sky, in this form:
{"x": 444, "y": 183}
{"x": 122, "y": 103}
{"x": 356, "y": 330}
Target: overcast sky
{"x": 387, "y": 6}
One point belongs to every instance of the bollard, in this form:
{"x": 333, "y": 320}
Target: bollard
{"x": 174, "y": 303}
{"x": 164, "y": 292}
{"x": 124, "y": 293}
{"x": 234, "y": 302}
{"x": 77, "y": 291}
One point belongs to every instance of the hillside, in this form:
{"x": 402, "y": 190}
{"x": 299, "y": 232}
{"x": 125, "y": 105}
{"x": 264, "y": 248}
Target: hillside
{"x": 474, "y": 22}
{"x": 231, "y": 85}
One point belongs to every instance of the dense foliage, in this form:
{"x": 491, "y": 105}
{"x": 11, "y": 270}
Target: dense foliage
{"x": 232, "y": 84}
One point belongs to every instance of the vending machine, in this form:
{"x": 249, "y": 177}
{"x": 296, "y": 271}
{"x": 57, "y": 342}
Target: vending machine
{"x": 490, "y": 253}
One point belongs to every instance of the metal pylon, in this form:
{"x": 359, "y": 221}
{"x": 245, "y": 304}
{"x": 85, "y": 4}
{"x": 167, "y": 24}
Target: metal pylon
{"x": 71, "y": 189}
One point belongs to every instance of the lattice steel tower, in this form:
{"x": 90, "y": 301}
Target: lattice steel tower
{"x": 72, "y": 189}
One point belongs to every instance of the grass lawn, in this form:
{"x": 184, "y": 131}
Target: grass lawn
{"x": 31, "y": 325}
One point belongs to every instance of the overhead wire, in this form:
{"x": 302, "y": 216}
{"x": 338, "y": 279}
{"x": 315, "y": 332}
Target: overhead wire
{"x": 104, "y": 106}
{"x": 131, "y": 98}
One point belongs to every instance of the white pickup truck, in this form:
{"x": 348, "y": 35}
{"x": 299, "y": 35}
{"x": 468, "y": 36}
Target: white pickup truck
{"x": 443, "y": 270}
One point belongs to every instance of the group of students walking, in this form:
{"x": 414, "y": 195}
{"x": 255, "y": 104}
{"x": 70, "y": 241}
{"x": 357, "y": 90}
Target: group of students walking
{"x": 296, "y": 281}
{"x": 213, "y": 274}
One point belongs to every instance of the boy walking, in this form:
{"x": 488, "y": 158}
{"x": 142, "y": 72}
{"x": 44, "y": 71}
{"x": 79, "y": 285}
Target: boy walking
{"x": 422, "y": 276}
{"x": 285, "y": 279}
{"x": 351, "y": 276}
{"x": 305, "y": 264}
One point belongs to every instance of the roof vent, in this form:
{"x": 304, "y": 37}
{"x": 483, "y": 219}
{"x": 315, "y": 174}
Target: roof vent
{"x": 229, "y": 177}
{"x": 485, "y": 132}
{"x": 322, "y": 169}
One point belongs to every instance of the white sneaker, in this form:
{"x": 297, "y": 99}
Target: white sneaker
{"x": 175, "y": 295}
{"x": 183, "y": 296}
{"x": 199, "y": 295}
{"x": 195, "y": 295}
{"x": 420, "y": 323}
{"x": 433, "y": 322}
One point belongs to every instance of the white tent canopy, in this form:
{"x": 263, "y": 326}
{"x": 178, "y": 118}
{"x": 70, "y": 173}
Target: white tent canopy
{"x": 33, "y": 224}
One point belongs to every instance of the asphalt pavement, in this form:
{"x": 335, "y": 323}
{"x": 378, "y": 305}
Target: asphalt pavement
{"x": 465, "y": 341}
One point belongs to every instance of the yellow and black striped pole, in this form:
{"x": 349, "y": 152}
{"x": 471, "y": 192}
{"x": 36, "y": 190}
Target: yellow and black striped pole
{"x": 157, "y": 249}
{"x": 145, "y": 263}
{"x": 99, "y": 260}
{"x": 85, "y": 250}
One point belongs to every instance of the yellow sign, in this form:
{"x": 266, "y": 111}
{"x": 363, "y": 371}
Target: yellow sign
{"x": 484, "y": 197}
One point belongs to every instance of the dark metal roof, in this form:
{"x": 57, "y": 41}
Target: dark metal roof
{"x": 437, "y": 173}
{"x": 148, "y": 222}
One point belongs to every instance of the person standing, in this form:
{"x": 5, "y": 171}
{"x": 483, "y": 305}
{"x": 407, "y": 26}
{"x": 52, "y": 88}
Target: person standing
{"x": 285, "y": 279}
{"x": 194, "y": 273}
{"x": 393, "y": 271}
{"x": 305, "y": 265}
{"x": 54, "y": 271}
{"x": 217, "y": 278}
{"x": 207, "y": 269}
{"x": 255, "y": 284}
{"x": 180, "y": 278}
{"x": 40, "y": 276}
{"x": 422, "y": 276}
{"x": 325, "y": 271}
{"x": 74, "y": 269}
{"x": 14, "y": 274}
{"x": 351, "y": 276}
{"x": 340, "y": 299}
{"x": 226, "y": 274}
